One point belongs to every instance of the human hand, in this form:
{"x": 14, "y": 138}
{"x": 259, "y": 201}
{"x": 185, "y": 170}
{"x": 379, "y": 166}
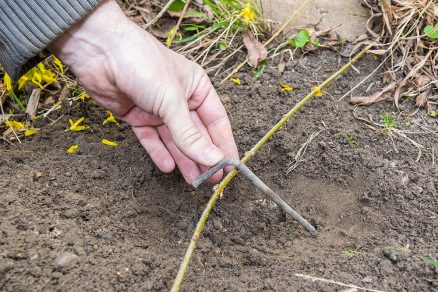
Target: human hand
{"x": 168, "y": 100}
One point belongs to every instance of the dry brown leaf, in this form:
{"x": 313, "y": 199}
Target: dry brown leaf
{"x": 385, "y": 93}
{"x": 423, "y": 80}
{"x": 282, "y": 63}
{"x": 256, "y": 51}
{"x": 32, "y": 103}
{"x": 421, "y": 100}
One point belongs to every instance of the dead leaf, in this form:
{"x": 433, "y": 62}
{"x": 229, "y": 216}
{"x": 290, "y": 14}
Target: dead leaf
{"x": 32, "y": 103}
{"x": 256, "y": 51}
{"x": 282, "y": 63}
{"x": 421, "y": 100}
{"x": 376, "y": 97}
{"x": 423, "y": 80}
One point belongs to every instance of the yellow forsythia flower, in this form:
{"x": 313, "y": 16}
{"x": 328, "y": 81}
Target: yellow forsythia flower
{"x": 83, "y": 96}
{"x": 285, "y": 87}
{"x": 248, "y": 12}
{"x": 16, "y": 126}
{"x": 75, "y": 126}
{"x": 109, "y": 143}
{"x": 111, "y": 119}
{"x": 235, "y": 81}
{"x": 30, "y": 132}
{"x": 72, "y": 149}
{"x": 38, "y": 75}
{"x": 7, "y": 81}
{"x": 317, "y": 91}
{"x": 58, "y": 64}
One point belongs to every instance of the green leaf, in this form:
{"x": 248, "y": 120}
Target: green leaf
{"x": 193, "y": 27}
{"x": 431, "y": 262}
{"x": 316, "y": 43}
{"x": 300, "y": 40}
{"x": 431, "y": 31}
{"x": 177, "y": 6}
{"x": 259, "y": 70}
{"x": 223, "y": 46}
{"x": 220, "y": 24}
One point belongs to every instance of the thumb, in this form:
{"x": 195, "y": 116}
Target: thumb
{"x": 187, "y": 136}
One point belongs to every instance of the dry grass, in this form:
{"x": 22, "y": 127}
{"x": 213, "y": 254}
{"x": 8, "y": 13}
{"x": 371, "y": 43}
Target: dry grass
{"x": 397, "y": 27}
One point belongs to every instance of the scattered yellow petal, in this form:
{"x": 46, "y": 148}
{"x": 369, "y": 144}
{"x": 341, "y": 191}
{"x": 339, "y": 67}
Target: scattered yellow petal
{"x": 72, "y": 149}
{"x": 58, "y": 64}
{"x": 83, "y": 96}
{"x": 285, "y": 87}
{"x": 235, "y": 81}
{"x": 111, "y": 119}
{"x": 75, "y": 126}
{"x": 30, "y": 132}
{"x": 38, "y": 75}
{"x": 317, "y": 91}
{"x": 247, "y": 12}
{"x": 7, "y": 81}
{"x": 109, "y": 143}
{"x": 16, "y": 126}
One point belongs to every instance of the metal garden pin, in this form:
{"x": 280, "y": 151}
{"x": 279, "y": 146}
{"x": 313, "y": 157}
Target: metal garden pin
{"x": 259, "y": 184}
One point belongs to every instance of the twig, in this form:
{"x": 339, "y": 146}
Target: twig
{"x": 294, "y": 14}
{"x": 200, "y": 225}
{"x": 159, "y": 15}
{"x": 260, "y": 185}
{"x": 176, "y": 28}
{"x": 314, "y": 279}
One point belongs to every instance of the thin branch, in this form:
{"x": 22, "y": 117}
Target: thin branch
{"x": 200, "y": 225}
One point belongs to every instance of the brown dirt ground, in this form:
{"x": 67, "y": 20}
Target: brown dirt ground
{"x": 128, "y": 225}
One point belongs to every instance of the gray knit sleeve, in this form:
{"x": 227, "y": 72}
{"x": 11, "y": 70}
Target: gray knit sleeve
{"x": 28, "y": 26}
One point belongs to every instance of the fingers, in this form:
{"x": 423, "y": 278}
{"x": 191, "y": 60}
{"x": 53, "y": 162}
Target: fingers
{"x": 188, "y": 168}
{"x": 159, "y": 154}
{"x": 137, "y": 117}
{"x": 214, "y": 117}
{"x": 187, "y": 136}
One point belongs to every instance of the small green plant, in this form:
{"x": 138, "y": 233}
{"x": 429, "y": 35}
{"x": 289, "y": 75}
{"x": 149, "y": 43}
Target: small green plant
{"x": 300, "y": 40}
{"x": 431, "y": 31}
{"x": 389, "y": 121}
{"x": 350, "y": 253}
{"x": 257, "y": 72}
{"x": 431, "y": 262}
{"x": 434, "y": 113}
{"x": 350, "y": 139}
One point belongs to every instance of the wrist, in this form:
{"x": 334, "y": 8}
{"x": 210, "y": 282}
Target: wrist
{"x": 91, "y": 37}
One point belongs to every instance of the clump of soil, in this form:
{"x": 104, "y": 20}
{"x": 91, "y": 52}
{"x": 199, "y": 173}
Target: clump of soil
{"x": 106, "y": 218}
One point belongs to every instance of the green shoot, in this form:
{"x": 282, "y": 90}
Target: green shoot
{"x": 350, "y": 253}
{"x": 431, "y": 262}
{"x": 389, "y": 121}
{"x": 301, "y": 39}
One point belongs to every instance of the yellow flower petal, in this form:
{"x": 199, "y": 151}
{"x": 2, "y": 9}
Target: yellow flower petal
{"x": 58, "y": 63}
{"x": 317, "y": 91}
{"x": 72, "y": 149}
{"x": 16, "y": 126}
{"x": 7, "y": 81}
{"x": 83, "y": 96}
{"x": 235, "y": 81}
{"x": 285, "y": 87}
{"x": 111, "y": 119}
{"x": 30, "y": 132}
{"x": 109, "y": 143}
{"x": 75, "y": 126}
{"x": 247, "y": 12}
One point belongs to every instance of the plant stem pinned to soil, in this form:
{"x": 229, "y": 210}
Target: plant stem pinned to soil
{"x": 248, "y": 155}
{"x": 260, "y": 185}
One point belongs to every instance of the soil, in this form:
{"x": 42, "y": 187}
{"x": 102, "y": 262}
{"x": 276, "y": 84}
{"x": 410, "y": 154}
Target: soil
{"x": 106, "y": 219}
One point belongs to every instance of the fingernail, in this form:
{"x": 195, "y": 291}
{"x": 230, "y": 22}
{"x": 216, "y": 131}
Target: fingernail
{"x": 212, "y": 155}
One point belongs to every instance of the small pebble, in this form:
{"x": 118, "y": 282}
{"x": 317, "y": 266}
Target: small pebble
{"x": 66, "y": 260}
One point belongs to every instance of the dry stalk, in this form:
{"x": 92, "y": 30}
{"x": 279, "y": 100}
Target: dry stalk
{"x": 200, "y": 225}
{"x": 315, "y": 279}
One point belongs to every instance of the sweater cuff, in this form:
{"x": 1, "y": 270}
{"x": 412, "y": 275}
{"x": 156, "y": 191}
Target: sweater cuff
{"x": 28, "y": 27}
